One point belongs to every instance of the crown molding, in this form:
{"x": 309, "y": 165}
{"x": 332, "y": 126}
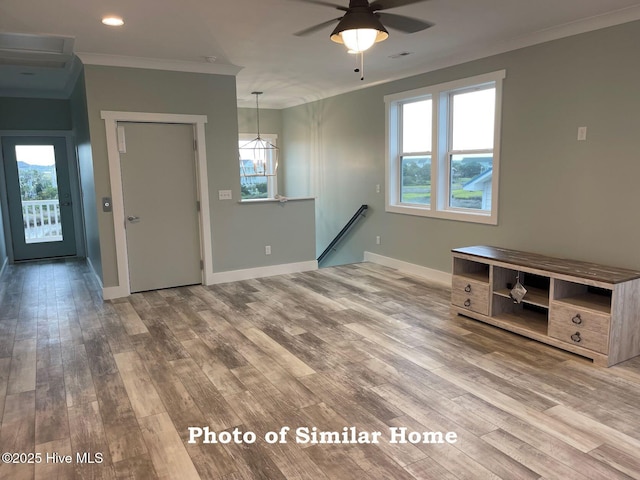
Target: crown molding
{"x": 157, "y": 64}
{"x": 584, "y": 25}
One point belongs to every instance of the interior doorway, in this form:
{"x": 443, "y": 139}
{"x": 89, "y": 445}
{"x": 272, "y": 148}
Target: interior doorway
{"x": 112, "y": 119}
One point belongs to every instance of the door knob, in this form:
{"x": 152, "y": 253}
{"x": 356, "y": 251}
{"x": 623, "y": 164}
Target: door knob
{"x": 133, "y": 219}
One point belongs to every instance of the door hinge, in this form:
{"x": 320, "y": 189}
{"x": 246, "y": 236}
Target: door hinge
{"x": 198, "y": 205}
{"x": 201, "y": 265}
{"x": 195, "y": 145}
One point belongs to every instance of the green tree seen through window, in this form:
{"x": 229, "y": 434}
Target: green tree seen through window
{"x": 37, "y": 185}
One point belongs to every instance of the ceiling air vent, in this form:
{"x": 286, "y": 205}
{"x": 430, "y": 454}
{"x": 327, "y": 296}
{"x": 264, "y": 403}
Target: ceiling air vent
{"x": 40, "y": 51}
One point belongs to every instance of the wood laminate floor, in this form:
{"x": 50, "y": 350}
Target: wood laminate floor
{"x": 120, "y": 383}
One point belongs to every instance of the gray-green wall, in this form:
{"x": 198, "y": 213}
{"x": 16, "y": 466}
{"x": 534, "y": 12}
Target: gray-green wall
{"x": 558, "y": 196}
{"x": 270, "y": 121}
{"x": 82, "y": 140}
{"x": 34, "y": 114}
{"x": 20, "y": 114}
{"x": 3, "y": 246}
{"x": 239, "y": 231}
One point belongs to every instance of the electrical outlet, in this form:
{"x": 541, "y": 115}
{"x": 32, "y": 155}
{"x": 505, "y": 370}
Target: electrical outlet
{"x": 377, "y": 239}
{"x": 267, "y": 250}
{"x": 378, "y": 188}
{"x": 224, "y": 195}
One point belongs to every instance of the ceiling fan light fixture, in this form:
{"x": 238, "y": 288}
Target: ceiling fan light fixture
{"x": 358, "y": 31}
{"x": 359, "y": 40}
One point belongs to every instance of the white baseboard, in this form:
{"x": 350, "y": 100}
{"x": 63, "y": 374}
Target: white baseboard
{"x": 95, "y": 274}
{"x": 4, "y": 265}
{"x": 436, "y": 276}
{"x": 259, "y": 272}
{"x": 109, "y": 293}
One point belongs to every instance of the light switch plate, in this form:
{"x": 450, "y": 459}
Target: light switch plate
{"x": 224, "y": 195}
{"x": 582, "y": 133}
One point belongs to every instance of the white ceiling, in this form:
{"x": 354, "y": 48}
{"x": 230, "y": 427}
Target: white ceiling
{"x": 255, "y": 39}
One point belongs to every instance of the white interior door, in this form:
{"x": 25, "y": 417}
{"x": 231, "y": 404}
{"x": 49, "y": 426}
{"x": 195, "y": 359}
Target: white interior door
{"x": 160, "y": 203}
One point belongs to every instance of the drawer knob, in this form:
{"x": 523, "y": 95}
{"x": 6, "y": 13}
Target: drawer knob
{"x": 576, "y": 337}
{"x": 467, "y": 302}
{"x": 577, "y": 319}
{"x": 467, "y": 288}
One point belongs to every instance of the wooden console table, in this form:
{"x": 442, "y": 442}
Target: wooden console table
{"x": 588, "y": 309}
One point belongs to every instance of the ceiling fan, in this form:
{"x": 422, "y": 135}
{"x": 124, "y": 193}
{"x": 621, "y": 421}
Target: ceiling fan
{"x": 360, "y": 16}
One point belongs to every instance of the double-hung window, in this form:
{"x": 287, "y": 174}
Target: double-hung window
{"x": 443, "y": 150}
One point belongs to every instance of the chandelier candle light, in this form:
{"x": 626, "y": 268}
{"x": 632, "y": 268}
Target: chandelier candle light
{"x": 259, "y": 157}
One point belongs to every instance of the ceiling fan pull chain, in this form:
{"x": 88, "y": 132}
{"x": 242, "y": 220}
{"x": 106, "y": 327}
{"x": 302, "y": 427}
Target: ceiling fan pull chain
{"x": 359, "y": 69}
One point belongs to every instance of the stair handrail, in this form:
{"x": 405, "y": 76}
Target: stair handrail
{"x": 343, "y": 232}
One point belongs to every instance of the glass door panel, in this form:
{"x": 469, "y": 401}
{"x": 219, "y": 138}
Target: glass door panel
{"x": 39, "y": 193}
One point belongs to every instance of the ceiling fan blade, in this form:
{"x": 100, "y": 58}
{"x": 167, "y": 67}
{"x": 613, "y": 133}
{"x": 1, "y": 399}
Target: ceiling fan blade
{"x": 326, "y": 4}
{"x": 316, "y": 28}
{"x": 387, "y": 4}
{"x": 402, "y": 23}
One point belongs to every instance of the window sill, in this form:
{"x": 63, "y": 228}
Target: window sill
{"x": 470, "y": 217}
{"x": 274, "y": 200}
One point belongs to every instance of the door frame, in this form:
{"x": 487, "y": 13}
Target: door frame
{"x": 74, "y": 184}
{"x": 111, "y": 119}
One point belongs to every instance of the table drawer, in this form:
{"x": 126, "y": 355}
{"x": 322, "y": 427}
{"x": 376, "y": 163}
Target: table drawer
{"x": 579, "y": 337}
{"x": 565, "y": 315}
{"x": 470, "y": 294}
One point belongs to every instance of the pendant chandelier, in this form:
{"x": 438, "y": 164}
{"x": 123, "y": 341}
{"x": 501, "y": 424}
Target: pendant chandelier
{"x": 259, "y": 157}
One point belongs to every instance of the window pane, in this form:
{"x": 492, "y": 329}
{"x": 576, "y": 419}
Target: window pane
{"x": 470, "y": 181}
{"x": 473, "y": 119}
{"x": 39, "y": 193}
{"x": 416, "y": 126}
{"x": 251, "y": 186}
{"x": 254, "y": 187}
{"x": 416, "y": 180}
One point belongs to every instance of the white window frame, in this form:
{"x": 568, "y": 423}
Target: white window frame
{"x": 272, "y": 181}
{"x": 441, "y": 138}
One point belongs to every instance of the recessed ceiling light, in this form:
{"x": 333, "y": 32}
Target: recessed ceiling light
{"x": 113, "y": 21}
